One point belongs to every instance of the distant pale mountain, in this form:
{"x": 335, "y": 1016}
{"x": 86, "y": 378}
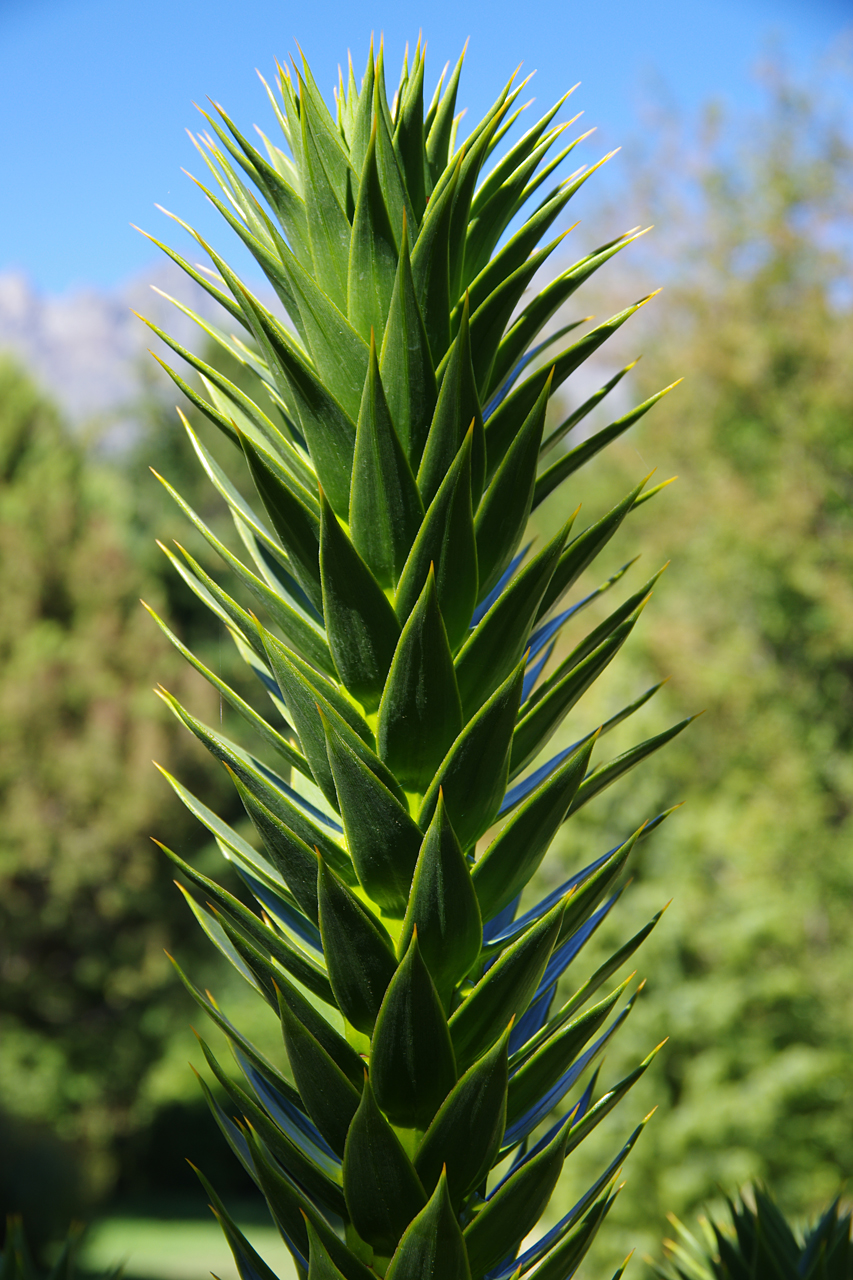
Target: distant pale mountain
{"x": 86, "y": 348}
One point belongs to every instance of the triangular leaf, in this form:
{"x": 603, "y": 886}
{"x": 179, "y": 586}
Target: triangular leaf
{"x": 446, "y": 541}
{"x": 432, "y": 1247}
{"x": 412, "y": 1067}
{"x": 358, "y": 951}
{"x": 505, "y": 989}
{"x": 420, "y": 714}
{"x": 361, "y": 625}
{"x": 329, "y": 1097}
{"x": 383, "y": 1192}
{"x": 372, "y": 252}
{"x": 382, "y": 838}
{"x": 501, "y": 517}
{"x": 385, "y": 511}
{"x": 457, "y": 409}
{"x": 466, "y": 1134}
{"x": 408, "y": 373}
{"x": 512, "y": 858}
{"x": 443, "y": 906}
{"x": 473, "y": 774}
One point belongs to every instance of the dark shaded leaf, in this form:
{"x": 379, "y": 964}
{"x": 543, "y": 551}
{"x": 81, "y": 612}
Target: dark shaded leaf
{"x": 317, "y": 1183}
{"x": 608, "y": 1101}
{"x": 466, "y": 1134}
{"x": 335, "y": 1046}
{"x": 239, "y": 1042}
{"x": 327, "y": 424}
{"x": 412, "y": 1067}
{"x": 359, "y": 956}
{"x": 501, "y": 517}
{"x": 406, "y": 364}
{"x": 586, "y": 897}
{"x": 595, "y": 638}
{"x": 383, "y": 1192}
{"x": 329, "y": 1097}
{"x": 512, "y": 858}
{"x": 307, "y": 694}
{"x": 432, "y": 1247}
{"x": 606, "y": 970}
{"x": 372, "y": 252}
{"x": 473, "y": 774}
{"x": 385, "y": 510}
{"x": 511, "y": 1211}
{"x": 320, "y": 1264}
{"x": 291, "y": 857}
{"x": 500, "y": 638}
{"x": 443, "y": 906}
{"x": 489, "y": 321}
{"x": 250, "y": 1265}
{"x": 446, "y": 540}
{"x": 504, "y": 991}
{"x": 294, "y": 519}
{"x": 536, "y": 726}
{"x": 383, "y": 840}
{"x": 565, "y": 1257}
{"x": 420, "y": 714}
{"x": 457, "y": 410}
{"x": 543, "y": 1067}
{"x": 361, "y": 625}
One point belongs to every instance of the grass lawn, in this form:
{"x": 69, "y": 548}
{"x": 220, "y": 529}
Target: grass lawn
{"x": 167, "y": 1248}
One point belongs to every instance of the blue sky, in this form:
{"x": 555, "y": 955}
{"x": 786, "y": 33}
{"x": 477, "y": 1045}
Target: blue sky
{"x": 96, "y": 94}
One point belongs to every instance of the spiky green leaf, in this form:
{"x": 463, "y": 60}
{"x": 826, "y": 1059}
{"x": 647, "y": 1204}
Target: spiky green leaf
{"x": 412, "y": 1067}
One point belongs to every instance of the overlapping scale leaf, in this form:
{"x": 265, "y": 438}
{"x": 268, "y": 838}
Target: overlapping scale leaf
{"x": 419, "y": 655}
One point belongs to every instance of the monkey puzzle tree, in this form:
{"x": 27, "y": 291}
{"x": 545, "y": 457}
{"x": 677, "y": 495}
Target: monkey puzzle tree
{"x": 403, "y": 632}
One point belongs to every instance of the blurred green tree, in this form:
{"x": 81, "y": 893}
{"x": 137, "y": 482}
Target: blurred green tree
{"x": 88, "y": 1000}
{"x": 752, "y": 963}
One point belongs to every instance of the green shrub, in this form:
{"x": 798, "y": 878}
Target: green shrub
{"x": 759, "y": 1242}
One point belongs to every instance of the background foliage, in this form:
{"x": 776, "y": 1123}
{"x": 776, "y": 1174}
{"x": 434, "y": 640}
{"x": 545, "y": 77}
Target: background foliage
{"x": 88, "y": 1003}
{"x": 749, "y": 971}
{"x": 754, "y": 620}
